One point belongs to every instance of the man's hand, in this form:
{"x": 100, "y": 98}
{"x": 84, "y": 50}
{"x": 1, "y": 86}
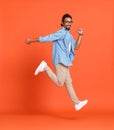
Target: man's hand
{"x": 80, "y": 31}
{"x": 28, "y": 41}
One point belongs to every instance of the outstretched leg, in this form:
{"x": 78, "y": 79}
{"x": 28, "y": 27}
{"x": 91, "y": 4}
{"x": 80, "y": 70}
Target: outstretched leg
{"x": 70, "y": 89}
{"x": 78, "y": 104}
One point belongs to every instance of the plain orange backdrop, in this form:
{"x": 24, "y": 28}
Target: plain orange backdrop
{"x": 92, "y": 70}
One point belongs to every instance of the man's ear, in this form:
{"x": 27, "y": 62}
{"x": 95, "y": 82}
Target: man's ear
{"x": 61, "y": 23}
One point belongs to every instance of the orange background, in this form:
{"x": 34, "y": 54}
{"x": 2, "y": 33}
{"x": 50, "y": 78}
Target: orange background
{"x": 92, "y": 70}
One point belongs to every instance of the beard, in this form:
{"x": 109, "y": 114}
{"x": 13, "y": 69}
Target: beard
{"x": 68, "y": 28}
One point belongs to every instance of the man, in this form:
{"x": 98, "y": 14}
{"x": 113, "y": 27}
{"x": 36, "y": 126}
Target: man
{"x": 63, "y": 55}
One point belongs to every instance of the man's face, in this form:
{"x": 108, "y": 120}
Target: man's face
{"x": 67, "y": 23}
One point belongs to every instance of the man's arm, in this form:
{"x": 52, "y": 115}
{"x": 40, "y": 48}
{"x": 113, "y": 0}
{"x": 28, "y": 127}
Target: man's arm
{"x": 48, "y": 38}
{"x": 80, "y": 34}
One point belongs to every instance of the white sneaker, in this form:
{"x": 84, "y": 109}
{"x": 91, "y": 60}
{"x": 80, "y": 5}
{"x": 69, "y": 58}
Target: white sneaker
{"x": 80, "y": 104}
{"x": 40, "y": 68}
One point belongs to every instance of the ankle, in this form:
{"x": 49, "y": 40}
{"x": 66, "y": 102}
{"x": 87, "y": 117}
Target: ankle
{"x": 76, "y": 103}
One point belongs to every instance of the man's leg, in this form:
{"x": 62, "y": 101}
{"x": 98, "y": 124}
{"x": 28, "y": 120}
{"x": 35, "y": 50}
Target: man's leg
{"x": 59, "y": 77}
{"x": 70, "y": 89}
{"x": 78, "y": 104}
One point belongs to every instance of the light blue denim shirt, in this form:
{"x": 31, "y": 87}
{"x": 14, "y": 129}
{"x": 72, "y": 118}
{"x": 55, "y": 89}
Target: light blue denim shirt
{"x": 61, "y": 40}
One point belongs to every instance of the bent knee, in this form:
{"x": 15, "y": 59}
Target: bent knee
{"x": 60, "y": 84}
